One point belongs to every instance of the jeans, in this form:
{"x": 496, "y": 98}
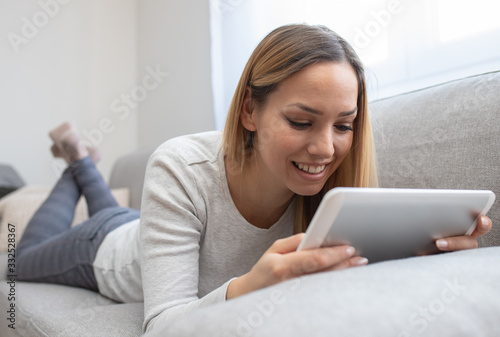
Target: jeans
{"x": 50, "y": 249}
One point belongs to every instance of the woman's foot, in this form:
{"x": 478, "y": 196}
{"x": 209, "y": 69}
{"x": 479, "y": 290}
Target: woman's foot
{"x": 94, "y": 153}
{"x": 68, "y": 145}
{"x": 56, "y": 152}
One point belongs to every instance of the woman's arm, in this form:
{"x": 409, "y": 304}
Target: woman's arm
{"x": 172, "y": 220}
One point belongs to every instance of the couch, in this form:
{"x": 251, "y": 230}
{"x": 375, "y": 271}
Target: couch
{"x": 444, "y": 136}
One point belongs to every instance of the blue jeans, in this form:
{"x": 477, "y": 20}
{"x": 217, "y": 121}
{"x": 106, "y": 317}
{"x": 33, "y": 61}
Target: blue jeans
{"x": 50, "y": 249}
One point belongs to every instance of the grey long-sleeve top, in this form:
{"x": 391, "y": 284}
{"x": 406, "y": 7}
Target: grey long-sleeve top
{"x": 191, "y": 240}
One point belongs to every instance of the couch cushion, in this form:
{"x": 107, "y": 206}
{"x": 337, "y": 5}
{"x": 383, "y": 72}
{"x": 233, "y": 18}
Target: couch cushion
{"x": 445, "y": 136}
{"x": 55, "y": 310}
{"x": 453, "y": 294}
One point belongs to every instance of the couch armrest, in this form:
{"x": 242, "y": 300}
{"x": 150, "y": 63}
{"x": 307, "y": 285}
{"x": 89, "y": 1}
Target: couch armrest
{"x": 10, "y": 180}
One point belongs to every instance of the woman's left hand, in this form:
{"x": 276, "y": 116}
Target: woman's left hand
{"x": 466, "y": 242}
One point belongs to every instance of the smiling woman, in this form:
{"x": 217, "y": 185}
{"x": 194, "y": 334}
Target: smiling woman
{"x": 309, "y": 82}
{"x": 218, "y": 210}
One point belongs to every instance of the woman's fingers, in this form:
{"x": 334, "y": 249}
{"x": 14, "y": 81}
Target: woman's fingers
{"x": 320, "y": 259}
{"x": 483, "y": 226}
{"x": 289, "y": 263}
{"x": 456, "y": 243}
{"x": 282, "y": 261}
{"x": 286, "y": 245}
{"x": 354, "y": 261}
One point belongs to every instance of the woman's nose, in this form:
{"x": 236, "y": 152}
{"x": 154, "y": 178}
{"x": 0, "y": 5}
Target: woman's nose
{"x": 321, "y": 145}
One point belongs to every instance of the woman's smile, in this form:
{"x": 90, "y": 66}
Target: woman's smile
{"x": 311, "y": 172}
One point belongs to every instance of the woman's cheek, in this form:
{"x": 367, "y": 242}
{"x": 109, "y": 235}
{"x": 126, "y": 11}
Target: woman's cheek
{"x": 343, "y": 145}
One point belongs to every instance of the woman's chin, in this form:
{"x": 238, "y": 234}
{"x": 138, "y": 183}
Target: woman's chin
{"x": 308, "y": 191}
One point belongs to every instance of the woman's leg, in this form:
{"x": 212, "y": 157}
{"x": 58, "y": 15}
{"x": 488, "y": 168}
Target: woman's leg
{"x": 46, "y": 249}
{"x": 50, "y": 250}
{"x": 55, "y": 215}
{"x": 92, "y": 185}
{"x": 67, "y": 258}
{"x": 81, "y": 159}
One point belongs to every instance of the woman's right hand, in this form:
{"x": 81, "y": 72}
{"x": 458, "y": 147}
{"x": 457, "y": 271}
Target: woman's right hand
{"x": 282, "y": 262}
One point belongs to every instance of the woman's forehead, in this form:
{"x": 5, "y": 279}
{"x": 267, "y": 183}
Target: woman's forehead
{"x": 327, "y": 81}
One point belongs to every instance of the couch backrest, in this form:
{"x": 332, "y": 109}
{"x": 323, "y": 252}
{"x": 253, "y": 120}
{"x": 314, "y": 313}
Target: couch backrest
{"x": 129, "y": 171}
{"x": 445, "y": 136}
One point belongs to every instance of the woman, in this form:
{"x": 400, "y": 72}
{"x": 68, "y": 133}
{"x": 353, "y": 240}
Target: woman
{"x": 219, "y": 212}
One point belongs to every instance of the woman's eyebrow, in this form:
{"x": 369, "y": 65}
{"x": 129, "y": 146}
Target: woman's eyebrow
{"x": 318, "y": 112}
{"x": 348, "y": 113}
{"x": 305, "y": 108}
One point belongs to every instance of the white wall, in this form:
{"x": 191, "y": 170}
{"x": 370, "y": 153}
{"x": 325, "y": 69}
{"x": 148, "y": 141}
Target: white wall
{"x": 79, "y": 59}
{"x": 175, "y": 35}
{"x": 87, "y": 63}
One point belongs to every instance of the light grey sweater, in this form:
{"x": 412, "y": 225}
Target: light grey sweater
{"x": 192, "y": 240}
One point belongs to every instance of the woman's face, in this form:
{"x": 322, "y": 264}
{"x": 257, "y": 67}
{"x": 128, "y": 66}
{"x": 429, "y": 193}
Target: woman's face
{"x": 305, "y": 129}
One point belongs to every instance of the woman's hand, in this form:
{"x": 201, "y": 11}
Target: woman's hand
{"x": 282, "y": 262}
{"x": 466, "y": 242}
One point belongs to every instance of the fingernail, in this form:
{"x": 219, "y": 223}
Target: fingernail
{"x": 441, "y": 243}
{"x": 362, "y": 261}
{"x": 484, "y": 222}
{"x": 350, "y": 250}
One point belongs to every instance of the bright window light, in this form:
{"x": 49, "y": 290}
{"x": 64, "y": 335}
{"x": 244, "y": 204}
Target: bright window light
{"x": 464, "y": 18}
{"x": 363, "y": 23}
{"x": 404, "y": 44}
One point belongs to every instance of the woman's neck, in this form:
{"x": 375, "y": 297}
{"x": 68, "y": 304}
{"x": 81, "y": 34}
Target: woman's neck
{"x": 257, "y": 200}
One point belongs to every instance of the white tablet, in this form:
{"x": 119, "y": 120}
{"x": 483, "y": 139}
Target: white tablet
{"x": 384, "y": 224}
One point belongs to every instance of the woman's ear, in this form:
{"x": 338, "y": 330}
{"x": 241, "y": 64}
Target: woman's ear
{"x": 247, "y": 112}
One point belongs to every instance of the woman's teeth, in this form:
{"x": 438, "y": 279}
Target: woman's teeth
{"x": 310, "y": 168}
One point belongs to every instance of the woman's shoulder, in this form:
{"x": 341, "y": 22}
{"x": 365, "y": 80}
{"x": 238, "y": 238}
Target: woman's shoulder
{"x": 192, "y": 148}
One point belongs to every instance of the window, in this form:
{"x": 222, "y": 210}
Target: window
{"x": 404, "y": 44}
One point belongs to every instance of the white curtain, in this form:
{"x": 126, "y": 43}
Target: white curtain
{"x": 404, "y": 44}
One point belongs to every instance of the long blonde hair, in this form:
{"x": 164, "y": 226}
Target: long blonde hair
{"x": 283, "y": 52}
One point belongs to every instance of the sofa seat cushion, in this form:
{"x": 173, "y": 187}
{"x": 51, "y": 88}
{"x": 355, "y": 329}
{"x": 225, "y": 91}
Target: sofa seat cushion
{"x": 56, "y": 310}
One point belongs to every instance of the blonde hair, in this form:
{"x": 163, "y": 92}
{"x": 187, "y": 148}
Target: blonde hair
{"x": 283, "y": 52}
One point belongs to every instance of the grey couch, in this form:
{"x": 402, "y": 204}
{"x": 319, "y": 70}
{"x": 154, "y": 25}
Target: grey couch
{"x": 445, "y": 136}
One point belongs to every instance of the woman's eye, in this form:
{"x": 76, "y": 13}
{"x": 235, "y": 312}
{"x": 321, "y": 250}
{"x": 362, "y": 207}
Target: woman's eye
{"x": 298, "y": 125}
{"x": 343, "y": 128}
